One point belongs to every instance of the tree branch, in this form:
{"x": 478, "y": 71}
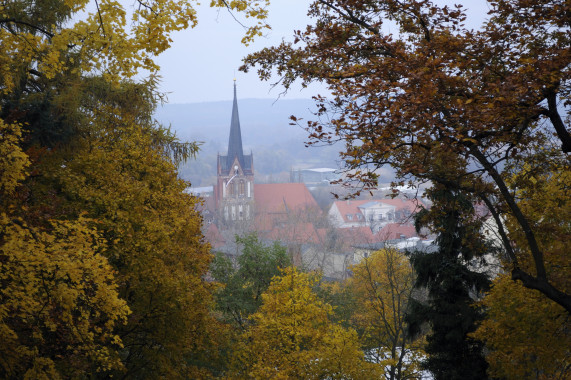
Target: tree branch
{"x": 19, "y": 22}
{"x": 555, "y": 118}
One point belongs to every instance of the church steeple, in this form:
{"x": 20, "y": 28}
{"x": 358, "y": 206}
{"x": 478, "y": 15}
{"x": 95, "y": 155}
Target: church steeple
{"x": 234, "y": 194}
{"x": 235, "y": 140}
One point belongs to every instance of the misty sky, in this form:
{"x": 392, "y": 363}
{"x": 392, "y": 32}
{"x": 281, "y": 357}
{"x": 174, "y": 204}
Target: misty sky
{"x": 203, "y": 61}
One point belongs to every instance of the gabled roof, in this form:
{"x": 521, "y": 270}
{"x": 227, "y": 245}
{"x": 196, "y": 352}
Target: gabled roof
{"x": 352, "y": 207}
{"x": 282, "y": 197}
{"x": 281, "y": 204}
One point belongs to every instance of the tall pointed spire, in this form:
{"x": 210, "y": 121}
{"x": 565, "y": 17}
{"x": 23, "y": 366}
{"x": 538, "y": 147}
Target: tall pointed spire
{"x": 235, "y": 140}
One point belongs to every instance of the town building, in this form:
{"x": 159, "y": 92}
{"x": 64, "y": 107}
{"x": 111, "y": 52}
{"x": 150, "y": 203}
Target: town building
{"x": 288, "y": 213}
{"x": 375, "y": 214}
{"x": 315, "y": 176}
{"x": 265, "y": 208}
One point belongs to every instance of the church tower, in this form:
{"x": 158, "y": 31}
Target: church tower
{"x": 235, "y": 172}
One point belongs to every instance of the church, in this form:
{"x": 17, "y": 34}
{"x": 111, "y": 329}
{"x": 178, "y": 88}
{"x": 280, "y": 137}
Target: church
{"x": 261, "y": 207}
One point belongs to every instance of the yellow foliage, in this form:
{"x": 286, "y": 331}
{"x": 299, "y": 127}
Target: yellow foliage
{"x": 108, "y": 41}
{"x": 528, "y": 336}
{"x": 101, "y": 232}
{"x": 59, "y": 301}
{"x": 544, "y": 196}
{"x": 123, "y": 178}
{"x": 293, "y": 337}
{"x": 13, "y": 161}
{"x": 382, "y": 284}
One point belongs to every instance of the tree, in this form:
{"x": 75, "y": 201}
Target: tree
{"x": 101, "y": 255}
{"x": 526, "y": 336}
{"x": 483, "y": 99}
{"x": 243, "y": 285}
{"x": 454, "y": 278}
{"x": 292, "y": 337}
{"x": 59, "y": 300}
{"x": 383, "y": 284}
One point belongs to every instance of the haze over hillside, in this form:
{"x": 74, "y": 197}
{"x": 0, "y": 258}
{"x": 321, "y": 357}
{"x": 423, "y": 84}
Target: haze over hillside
{"x": 277, "y": 146}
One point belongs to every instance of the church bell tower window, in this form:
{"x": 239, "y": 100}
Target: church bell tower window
{"x": 242, "y": 188}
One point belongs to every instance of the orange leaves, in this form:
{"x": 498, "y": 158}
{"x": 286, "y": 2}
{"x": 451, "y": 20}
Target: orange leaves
{"x": 438, "y": 102}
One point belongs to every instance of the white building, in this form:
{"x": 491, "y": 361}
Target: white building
{"x": 374, "y": 214}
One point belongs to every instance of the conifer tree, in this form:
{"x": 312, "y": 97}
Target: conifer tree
{"x": 452, "y": 283}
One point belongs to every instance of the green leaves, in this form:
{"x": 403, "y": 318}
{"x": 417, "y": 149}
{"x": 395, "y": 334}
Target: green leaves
{"x": 244, "y": 284}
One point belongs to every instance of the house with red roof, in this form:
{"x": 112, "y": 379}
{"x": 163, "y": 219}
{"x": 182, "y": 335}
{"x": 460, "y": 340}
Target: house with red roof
{"x": 374, "y": 214}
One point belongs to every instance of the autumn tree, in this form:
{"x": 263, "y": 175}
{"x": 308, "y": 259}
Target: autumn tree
{"x": 101, "y": 255}
{"x": 483, "y": 99}
{"x": 383, "y": 284}
{"x": 292, "y": 337}
{"x": 59, "y": 299}
{"x": 526, "y": 335}
{"x": 454, "y": 278}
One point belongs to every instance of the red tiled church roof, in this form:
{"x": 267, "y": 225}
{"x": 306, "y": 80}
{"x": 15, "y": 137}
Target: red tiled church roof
{"x": 282, "y": 208}
{"x": 282, "y": 197}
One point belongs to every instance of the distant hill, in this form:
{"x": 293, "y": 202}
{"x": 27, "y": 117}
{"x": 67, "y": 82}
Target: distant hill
{"x": 263, "y": 121}
{"x": 277, "y": 146}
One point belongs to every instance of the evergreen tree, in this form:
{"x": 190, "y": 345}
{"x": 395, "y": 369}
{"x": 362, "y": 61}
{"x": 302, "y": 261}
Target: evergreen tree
{"x": 452, "y": 284}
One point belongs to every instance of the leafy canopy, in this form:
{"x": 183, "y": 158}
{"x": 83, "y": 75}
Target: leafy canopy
{"x": 292, "y": 337}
